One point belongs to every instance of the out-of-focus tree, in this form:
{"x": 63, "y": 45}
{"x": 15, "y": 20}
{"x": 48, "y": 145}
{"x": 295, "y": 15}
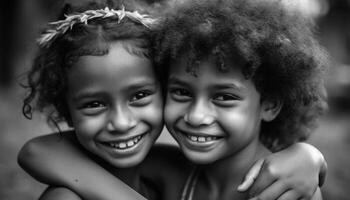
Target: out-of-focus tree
{"x": 335, "y": 29}
{"x": 19, "y": 26}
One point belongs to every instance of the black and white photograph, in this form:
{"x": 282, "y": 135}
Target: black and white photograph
{"x": 175, "y": 100}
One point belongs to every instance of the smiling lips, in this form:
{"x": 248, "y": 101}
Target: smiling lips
{"x": 126, "y": 144}
{"x": 200, "y": 138}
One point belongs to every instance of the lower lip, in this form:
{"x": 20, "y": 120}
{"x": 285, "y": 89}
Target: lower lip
{"x": 126, "y": 151}
{"x": 198, "y": 146}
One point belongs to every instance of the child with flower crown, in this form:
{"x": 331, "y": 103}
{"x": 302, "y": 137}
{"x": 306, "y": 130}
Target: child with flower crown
{"x": 94, "y": 69}
{"x": 115, "y": 108}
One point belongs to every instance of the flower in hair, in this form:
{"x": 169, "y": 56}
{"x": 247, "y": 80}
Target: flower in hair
{"x": 60, "y": 27}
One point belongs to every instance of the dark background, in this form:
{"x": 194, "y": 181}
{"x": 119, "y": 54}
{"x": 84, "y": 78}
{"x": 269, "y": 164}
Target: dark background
{"x": 20, "y": 25}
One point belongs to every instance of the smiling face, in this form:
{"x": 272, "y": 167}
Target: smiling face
{"x": 115, "y": 104}
{"x": 215, "y": 114}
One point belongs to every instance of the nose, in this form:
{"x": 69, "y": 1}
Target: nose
{"x": 121, "y": 119}
{"x": 199, "y": 114}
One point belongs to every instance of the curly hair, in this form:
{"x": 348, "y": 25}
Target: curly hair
{"x": 47, "y": 79}
{"x": 278, "y": 50}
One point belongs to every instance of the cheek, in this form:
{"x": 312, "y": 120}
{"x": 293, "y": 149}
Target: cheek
{"x": 87, "y": 127}
{"x": 154, "y": 116}
{"x": 239, "y": 123}
{"x": 235, "y": 121}
{"x": 173, "y": 111}
{"x": 151, "y": 114}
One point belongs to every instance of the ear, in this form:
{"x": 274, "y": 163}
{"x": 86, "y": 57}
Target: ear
{"x": 270, "y": 109}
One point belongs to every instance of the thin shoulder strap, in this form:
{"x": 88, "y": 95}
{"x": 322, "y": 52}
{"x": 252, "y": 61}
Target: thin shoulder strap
{"x": 190, "y": 185}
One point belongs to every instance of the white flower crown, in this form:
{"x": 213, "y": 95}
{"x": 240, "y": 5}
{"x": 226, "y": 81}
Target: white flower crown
{"x": 62, "y": 26}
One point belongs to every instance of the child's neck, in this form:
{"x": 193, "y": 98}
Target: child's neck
{"x": 129, "y": 175}
{"x": 223, "y": 176}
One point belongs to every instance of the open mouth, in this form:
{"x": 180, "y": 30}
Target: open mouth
{"x": 125, "y": 144}
{"x": 200, "y": 138}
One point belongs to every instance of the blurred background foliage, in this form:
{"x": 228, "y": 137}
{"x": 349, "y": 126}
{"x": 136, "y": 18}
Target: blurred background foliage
{"x": 22, "y": 21}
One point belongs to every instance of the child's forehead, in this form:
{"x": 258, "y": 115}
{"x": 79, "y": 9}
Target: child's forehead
{"x": 119, "y": 55}
{"x": 136, "y": 46}
{"x": 102, "y": 48}
{"x": 182, "y": 64}
{"x": 209, "y": 77}
{"x": 109, "y": 69}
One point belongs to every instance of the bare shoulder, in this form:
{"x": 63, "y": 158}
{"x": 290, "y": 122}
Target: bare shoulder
{"x": 59, "y": 193}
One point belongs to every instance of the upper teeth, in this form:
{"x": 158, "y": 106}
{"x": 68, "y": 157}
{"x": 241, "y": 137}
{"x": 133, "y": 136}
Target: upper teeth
{"x": 201, "y": 138}
{"x": 126, "y": 144}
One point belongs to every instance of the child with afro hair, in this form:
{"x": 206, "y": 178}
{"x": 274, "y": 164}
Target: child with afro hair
{"x": 244, "y": 78}
{"x": 276, "y": 48}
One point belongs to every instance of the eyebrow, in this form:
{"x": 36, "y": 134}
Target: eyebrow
{"x": 222, "y": 86}
{"x": 228, "y": 86}
{"x": 141, "y": 85}
{"x": 134, "y": 86}
{"x": 87, "y": 94}
{"x": 175, "y": 80}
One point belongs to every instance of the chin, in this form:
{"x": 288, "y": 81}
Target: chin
{"x": 200, "y": 158}
{"x": 128, "y": 162}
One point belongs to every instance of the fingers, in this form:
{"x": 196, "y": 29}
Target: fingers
{"x": 285, "y": 179}
{"x": 251, "y": 176}
{"x": 280, "y": 190}
{"x": 289, "y": 195}
{"x": 274, "y": 191}
{"x": 266, "y": 177}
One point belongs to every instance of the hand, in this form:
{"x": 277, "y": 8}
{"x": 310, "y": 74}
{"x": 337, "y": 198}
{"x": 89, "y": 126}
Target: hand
{"x": 289, "y": 174}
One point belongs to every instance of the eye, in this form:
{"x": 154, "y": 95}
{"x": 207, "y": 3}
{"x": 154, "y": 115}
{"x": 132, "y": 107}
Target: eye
{"x": 141, "y": 98}
{"x": 93, "y": 104}
{"x": 180, "y": 94}
{"x": 225, "y": 99}
{"x": 93, "y": 107}
{"x": 139, "y": 95}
